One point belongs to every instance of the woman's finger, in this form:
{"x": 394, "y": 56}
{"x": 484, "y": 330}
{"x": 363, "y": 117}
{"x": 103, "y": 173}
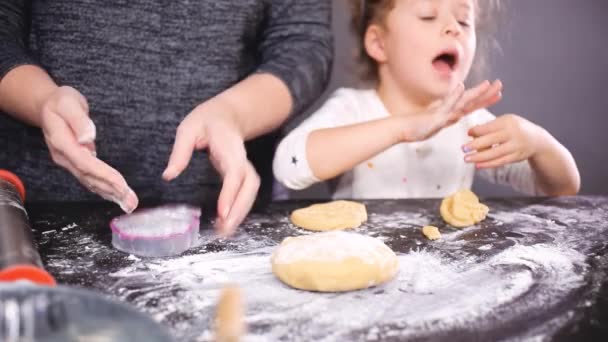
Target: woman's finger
{"x": 71, "y": 107}
{"x": 110, "y": 183}
{"x": 232, "y": 181}
{"x": 185, "y": 143}
{"x": 91, "y": 148}
{"x": 93, "y": 184}
{"x": 243, "y": 202}
{"x": 80, "y": 162}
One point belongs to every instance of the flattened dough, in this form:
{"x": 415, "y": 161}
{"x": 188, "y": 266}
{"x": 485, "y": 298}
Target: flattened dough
{"x": 462, "y": 209}
{"x": 336, "y": 215}
{"x": 333, "y": 262}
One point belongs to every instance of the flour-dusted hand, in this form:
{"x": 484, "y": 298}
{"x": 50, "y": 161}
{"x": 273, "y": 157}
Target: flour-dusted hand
{"x": 213, "y": 126}
{"x": 70, "y": 135}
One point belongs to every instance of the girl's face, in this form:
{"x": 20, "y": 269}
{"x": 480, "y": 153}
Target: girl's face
{"x": 426, "y": 47}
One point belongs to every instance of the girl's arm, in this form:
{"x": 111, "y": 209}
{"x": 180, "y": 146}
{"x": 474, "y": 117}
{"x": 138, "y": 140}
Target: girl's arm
{"x": 336, "y": 138}
{"x": 333, "y": 151}
{"x": 555, "y": 170}
{"x": 554, "y": 167}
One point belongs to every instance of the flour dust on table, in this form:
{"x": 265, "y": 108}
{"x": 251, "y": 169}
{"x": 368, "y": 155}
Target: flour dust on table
{"x": 523, "y": 273}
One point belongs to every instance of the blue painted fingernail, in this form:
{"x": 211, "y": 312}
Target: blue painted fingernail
{"x": 466, "y": 149}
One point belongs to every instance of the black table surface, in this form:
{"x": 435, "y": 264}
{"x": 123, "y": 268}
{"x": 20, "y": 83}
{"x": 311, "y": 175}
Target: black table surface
{"x": 74, "y": 241}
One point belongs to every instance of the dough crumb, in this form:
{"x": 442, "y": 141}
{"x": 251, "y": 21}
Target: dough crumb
{"x": 431, "y": 232}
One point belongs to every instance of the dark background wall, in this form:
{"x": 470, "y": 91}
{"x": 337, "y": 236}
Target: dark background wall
{"x": 553, "y": 61}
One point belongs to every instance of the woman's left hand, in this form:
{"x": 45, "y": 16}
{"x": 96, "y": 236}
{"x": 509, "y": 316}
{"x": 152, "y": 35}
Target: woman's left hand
{"x": 213, "y": 126}
{"x": 507, "y": 139}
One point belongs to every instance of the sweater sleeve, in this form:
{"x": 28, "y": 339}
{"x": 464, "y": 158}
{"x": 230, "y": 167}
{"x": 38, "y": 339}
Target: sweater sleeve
{"x": 13, "y": 35}
{"x": 297, "y": 47}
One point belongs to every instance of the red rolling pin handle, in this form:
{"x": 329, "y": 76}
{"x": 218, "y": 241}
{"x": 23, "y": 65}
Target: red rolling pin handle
{"x": 19, "y": 259}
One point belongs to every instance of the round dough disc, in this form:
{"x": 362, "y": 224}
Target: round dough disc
{"x": 334, "y": 215}
{"x": 333, "y": 262}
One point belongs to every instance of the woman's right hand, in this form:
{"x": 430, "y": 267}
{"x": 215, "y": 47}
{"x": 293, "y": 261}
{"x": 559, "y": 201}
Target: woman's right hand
{"x": 458, "y": 103}
{"x": 70, "y": 136}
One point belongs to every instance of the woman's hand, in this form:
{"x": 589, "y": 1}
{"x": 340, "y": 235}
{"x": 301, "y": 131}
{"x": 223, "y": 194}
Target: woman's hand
{"x": 213, "y": 126}
{"x": 70, "y": 136}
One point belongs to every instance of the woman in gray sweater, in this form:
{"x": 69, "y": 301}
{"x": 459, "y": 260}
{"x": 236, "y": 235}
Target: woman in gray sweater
{"x": 118, "y": 93}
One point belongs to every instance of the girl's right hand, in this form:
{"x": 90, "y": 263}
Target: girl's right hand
{"x": 442, "y": 114}
{"x": 70, "y": 136}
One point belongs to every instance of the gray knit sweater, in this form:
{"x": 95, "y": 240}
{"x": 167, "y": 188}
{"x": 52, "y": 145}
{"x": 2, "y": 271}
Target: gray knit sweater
{"x": 144, "y": 65}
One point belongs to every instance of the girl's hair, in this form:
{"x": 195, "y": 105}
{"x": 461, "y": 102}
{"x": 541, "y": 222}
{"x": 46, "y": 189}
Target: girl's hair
{"x": 364, "y": 14}
{"x": 369, "y": 12}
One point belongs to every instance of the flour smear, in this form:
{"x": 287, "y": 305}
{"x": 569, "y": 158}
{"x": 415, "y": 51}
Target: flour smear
{"x": 521, "y": 269}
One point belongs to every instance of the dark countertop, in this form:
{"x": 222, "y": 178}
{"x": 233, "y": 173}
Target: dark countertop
{"x": 533, "y": 268}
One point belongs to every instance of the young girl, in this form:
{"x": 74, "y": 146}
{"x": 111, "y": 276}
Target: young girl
{"x": 417, "y": 132}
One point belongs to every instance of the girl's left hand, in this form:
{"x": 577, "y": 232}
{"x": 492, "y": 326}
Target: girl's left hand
{"x": 507, "y": 139}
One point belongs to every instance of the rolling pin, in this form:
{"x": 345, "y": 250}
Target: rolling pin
{"x": 19, "y": 259}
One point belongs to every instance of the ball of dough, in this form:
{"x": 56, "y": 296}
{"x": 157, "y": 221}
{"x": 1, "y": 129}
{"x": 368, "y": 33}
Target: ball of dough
{"x": 462, "y": 209}
{"x": 334, "y": 262}
{"x": 330, "y": 216}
